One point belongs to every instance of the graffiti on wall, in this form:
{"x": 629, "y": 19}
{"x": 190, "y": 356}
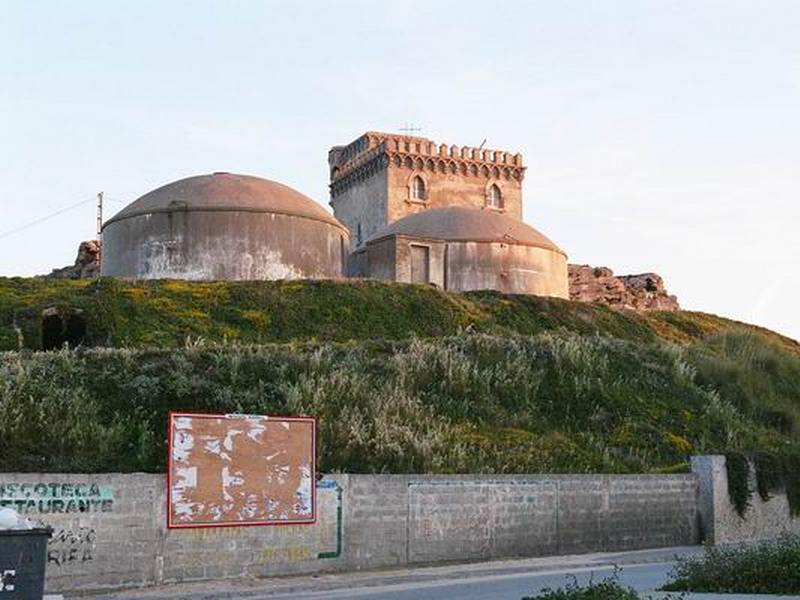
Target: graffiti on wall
{"x": 292, "y": 543}
{"x": 51, "y": 498}
{"x": 69, "y": 546}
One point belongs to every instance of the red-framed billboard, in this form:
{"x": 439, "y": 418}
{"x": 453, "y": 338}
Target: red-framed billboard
{"x": 235, "y": 470}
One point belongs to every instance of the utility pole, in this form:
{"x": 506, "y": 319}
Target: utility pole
{"x": 99, "y": 216}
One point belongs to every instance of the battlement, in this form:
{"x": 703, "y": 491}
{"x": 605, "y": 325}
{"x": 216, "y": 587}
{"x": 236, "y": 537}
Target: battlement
{"x": 345, "y": 159}
{"x": 375, "y": 150}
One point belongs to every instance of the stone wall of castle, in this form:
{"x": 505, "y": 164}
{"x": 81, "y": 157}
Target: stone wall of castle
{"x": 453, "y": 176}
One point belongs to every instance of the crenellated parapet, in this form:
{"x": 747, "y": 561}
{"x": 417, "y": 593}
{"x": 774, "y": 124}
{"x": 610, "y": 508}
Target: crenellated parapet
{"x": 374, "y": 151}
{"x": 359, "y": 168}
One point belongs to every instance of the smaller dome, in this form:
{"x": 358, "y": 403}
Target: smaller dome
{"x": 222, "y": 191}
{"x": 458, "y": 224}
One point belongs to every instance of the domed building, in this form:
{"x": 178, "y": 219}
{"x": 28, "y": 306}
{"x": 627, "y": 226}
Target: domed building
{"x": 224, "y": 227}
{"x": 447, "y": 215}
{"x": 405, "y": 209}
{"x": 462, "y": 249}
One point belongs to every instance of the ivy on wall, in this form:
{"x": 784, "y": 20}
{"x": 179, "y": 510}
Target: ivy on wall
{"x": 769, "y": 474}
{"x": 774, "y": 473}
{"x": 791, "y": 474}
{"x": 739, "y": 490}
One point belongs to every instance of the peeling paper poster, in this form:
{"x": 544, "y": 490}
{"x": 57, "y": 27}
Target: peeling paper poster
{"x": 226, "y": 470}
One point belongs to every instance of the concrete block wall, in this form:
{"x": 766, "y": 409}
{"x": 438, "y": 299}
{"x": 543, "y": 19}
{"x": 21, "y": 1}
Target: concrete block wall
{"x": 105, "y": 527}
{"x": 111, "y": 529}
{"x": 123, "y": 541}
{"x": 722, "y": 524}
{"x": 223, "y": 552}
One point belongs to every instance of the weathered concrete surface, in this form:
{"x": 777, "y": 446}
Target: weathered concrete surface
{"x": 385, "y": 521}
{"x": 469, "y": 250}
{"x": 722, "y": 524}
{"x": 223, "y": 246}
{"x": 224, "y": 227}
{"x": 437, "y": 267}
{"x": 507, "y": 268}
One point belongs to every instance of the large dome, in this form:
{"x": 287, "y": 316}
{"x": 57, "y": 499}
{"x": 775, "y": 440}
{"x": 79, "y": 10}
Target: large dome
{"x": 224, "y": 227}
{"x": 458, "y": 224}
{"x": 226, "y": 192}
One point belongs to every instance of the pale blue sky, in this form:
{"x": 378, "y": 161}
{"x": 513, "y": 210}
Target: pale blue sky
{"x": 659, "y": 135}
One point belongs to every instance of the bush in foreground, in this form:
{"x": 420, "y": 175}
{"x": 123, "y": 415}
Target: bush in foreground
{"x": 609, "y": 588}
{"x": 767, "y": 568}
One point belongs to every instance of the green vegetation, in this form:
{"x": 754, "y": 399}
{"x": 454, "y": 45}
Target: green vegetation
{"x": 609, "y": 588}
{"x": 165, "y": 314}
{"x": 402, "y": 378}
{"x": 554, "y": 402}
{"x": 774, "y": 473}
{"x": 768, "y": 568}
{"x": 738, "y": 469}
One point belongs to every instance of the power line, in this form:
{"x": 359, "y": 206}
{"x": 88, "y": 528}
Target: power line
{"x": 61, "y": 211}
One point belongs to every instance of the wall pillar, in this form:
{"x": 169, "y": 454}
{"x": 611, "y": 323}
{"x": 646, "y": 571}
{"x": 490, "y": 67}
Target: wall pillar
{"x": 712, "y": 481}
{"x": 719, "y": 521}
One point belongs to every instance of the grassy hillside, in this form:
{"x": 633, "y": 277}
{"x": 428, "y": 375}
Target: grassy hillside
{"x": 402, "y": 378}
{"x": 469, "y": 403}
{"x": 166, "y": 314}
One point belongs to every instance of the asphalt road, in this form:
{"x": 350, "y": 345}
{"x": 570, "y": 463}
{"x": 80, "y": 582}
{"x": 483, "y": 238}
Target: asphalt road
{"x": 644, "y": 570}
{"x": 502, "y": 580}
{"x": 492, "y": 587}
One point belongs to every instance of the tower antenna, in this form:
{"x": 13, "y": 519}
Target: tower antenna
{"x": 409, "y": 129}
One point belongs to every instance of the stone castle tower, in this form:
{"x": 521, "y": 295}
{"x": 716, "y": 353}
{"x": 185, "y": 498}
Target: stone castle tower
{"x": 381, "y": 178}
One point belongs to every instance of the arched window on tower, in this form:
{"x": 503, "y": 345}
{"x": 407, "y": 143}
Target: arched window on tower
{"x": 418, "y": 188}
{"x": 495, "y": 197}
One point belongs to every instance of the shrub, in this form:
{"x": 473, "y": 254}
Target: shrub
{"x": 767, "y": 568}
{"x": 609, "y": 588}
{"x": 467, "y": 403}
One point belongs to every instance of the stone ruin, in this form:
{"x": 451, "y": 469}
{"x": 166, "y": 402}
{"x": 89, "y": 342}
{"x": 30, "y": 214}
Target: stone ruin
{"x": 87, "y": 264}
{"x": 599, "y": 285}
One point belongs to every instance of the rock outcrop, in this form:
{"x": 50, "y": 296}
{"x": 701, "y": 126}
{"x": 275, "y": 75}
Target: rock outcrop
{"x": 599, "y": 285}
{"x": 87, "y": 264}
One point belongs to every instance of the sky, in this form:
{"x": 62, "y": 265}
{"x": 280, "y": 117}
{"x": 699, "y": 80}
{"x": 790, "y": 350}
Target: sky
{"x": 659, "y": 135}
